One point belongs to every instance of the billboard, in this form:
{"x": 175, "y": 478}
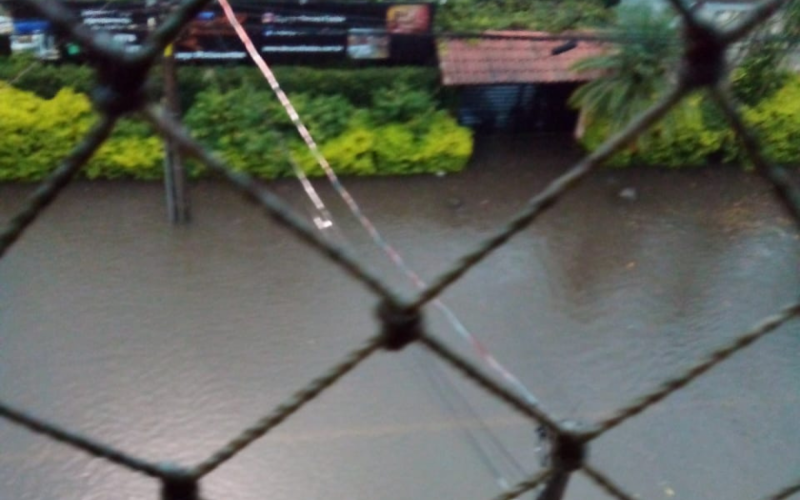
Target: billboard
{"x": 283, "y": 32}
{"x": 126, "y": 22}
{"x": 314, "y": 32}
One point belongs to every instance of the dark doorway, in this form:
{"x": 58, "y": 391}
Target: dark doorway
{"x": 518, "y": 108}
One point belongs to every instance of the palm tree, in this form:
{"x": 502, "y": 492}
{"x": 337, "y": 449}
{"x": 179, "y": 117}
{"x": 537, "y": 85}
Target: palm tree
{"x": 761, "y": 67}
{"x": 638, "y": 69}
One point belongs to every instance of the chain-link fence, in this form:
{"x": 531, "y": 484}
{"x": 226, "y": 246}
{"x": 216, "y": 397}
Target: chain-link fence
{"x": 120, "y": 90}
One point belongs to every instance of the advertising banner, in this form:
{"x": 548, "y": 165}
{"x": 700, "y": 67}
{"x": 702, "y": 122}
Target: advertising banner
{"x": 284, "y": 32}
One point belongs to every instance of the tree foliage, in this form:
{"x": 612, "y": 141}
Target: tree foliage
{"x": 634, "y": 71}
{"x": 544, "y": 15}
{"x": 762, "y": 69}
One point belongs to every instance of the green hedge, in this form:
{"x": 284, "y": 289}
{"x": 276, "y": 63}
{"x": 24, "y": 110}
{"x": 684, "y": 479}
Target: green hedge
{"x": 36, "y": 133}
{"x": 684, "y": 140}
{"x": 697, "y": 133}
{"x": 355, "y": 84}
{"x": 539, "y": 15}
{"x": 400, "y": 132}
{"x": 776, "y": 121}
{"x": 389, "y": 129}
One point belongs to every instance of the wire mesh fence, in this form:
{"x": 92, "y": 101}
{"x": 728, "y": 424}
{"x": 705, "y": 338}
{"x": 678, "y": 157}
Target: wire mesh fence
{"x": 121, "y": 78}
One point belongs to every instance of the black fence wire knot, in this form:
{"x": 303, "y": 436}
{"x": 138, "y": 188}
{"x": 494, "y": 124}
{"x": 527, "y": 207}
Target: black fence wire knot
{"x": 120, "y": 86}
{"x": 703, "y": 61}
{"x": 400, "y": 326}
{"x": 568, "y": 451}
{"x": 178, "y": 484}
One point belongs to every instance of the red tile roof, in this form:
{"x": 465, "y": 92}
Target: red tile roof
{"x": 512, "y": 60}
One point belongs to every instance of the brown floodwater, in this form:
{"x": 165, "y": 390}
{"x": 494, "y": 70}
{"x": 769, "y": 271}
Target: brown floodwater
{"x": 166, "y": 341}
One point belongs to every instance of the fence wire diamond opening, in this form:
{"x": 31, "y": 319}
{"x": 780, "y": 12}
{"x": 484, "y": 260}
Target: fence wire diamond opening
{"x": 121, "y": 78}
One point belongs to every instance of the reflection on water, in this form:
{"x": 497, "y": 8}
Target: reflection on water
{"x": 167, "y": 341}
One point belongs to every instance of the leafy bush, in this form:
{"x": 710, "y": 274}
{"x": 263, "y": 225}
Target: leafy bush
{"x": 36, "y": 133}
{"x": 251, "y": 131}
{"x": 775, "y": 121}
{"x": 546, "y": 15}
{"x": 44, "y": 79}
{"x": 397, "y": 130}
{"x": 400, "y": 103}
{"x": 397, "y": 149}
{"x": 357, "y": 85}
{"x": 394, "y": 149}
{"x": 698, "y": 132}
{"x": 131, "y": 152}
{"x": 401, "y": 133}
{"x": 760, "y": 74}
{"x": 445, "y": 148}
{"x": 240, "y": 133}
{"x": 247, "y": 127}
{"x": 686, "y": 140}
{"x": 348, "y": 154}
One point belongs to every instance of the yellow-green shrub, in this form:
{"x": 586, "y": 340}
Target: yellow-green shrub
{"x": 446, "y": 147}
{"x": 247, "y": 128}
{"x": 349, "y": 154}
{"x": 776, "y": 121}
{"x": 396, "y": 149}
{"x": 683, "y": 139}
{"x": 36, "y": 134}
{"x": 403, "y": 135}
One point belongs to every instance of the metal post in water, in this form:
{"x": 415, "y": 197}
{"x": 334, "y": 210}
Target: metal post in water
{"x": 175, "y": 182}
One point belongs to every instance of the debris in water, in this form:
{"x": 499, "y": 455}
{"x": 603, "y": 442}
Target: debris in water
{"x": 629, "y": 194}
{"x": 455, "y": 202}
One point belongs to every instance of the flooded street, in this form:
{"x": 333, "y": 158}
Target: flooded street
{"x": 167, "y": 342}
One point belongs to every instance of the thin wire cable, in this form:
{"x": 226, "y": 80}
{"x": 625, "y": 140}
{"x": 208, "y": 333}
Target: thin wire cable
{"x": 479, "y": 348}
{"x": 455, "y": 403}
{"x": 22, "y": 73}
{"x": 488, "y": 383}
{"x": 326, "y": 219}
{"x": 525, "y": 486}
{"x": 436, "y": 379}
{"x": 168, "y": 127}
